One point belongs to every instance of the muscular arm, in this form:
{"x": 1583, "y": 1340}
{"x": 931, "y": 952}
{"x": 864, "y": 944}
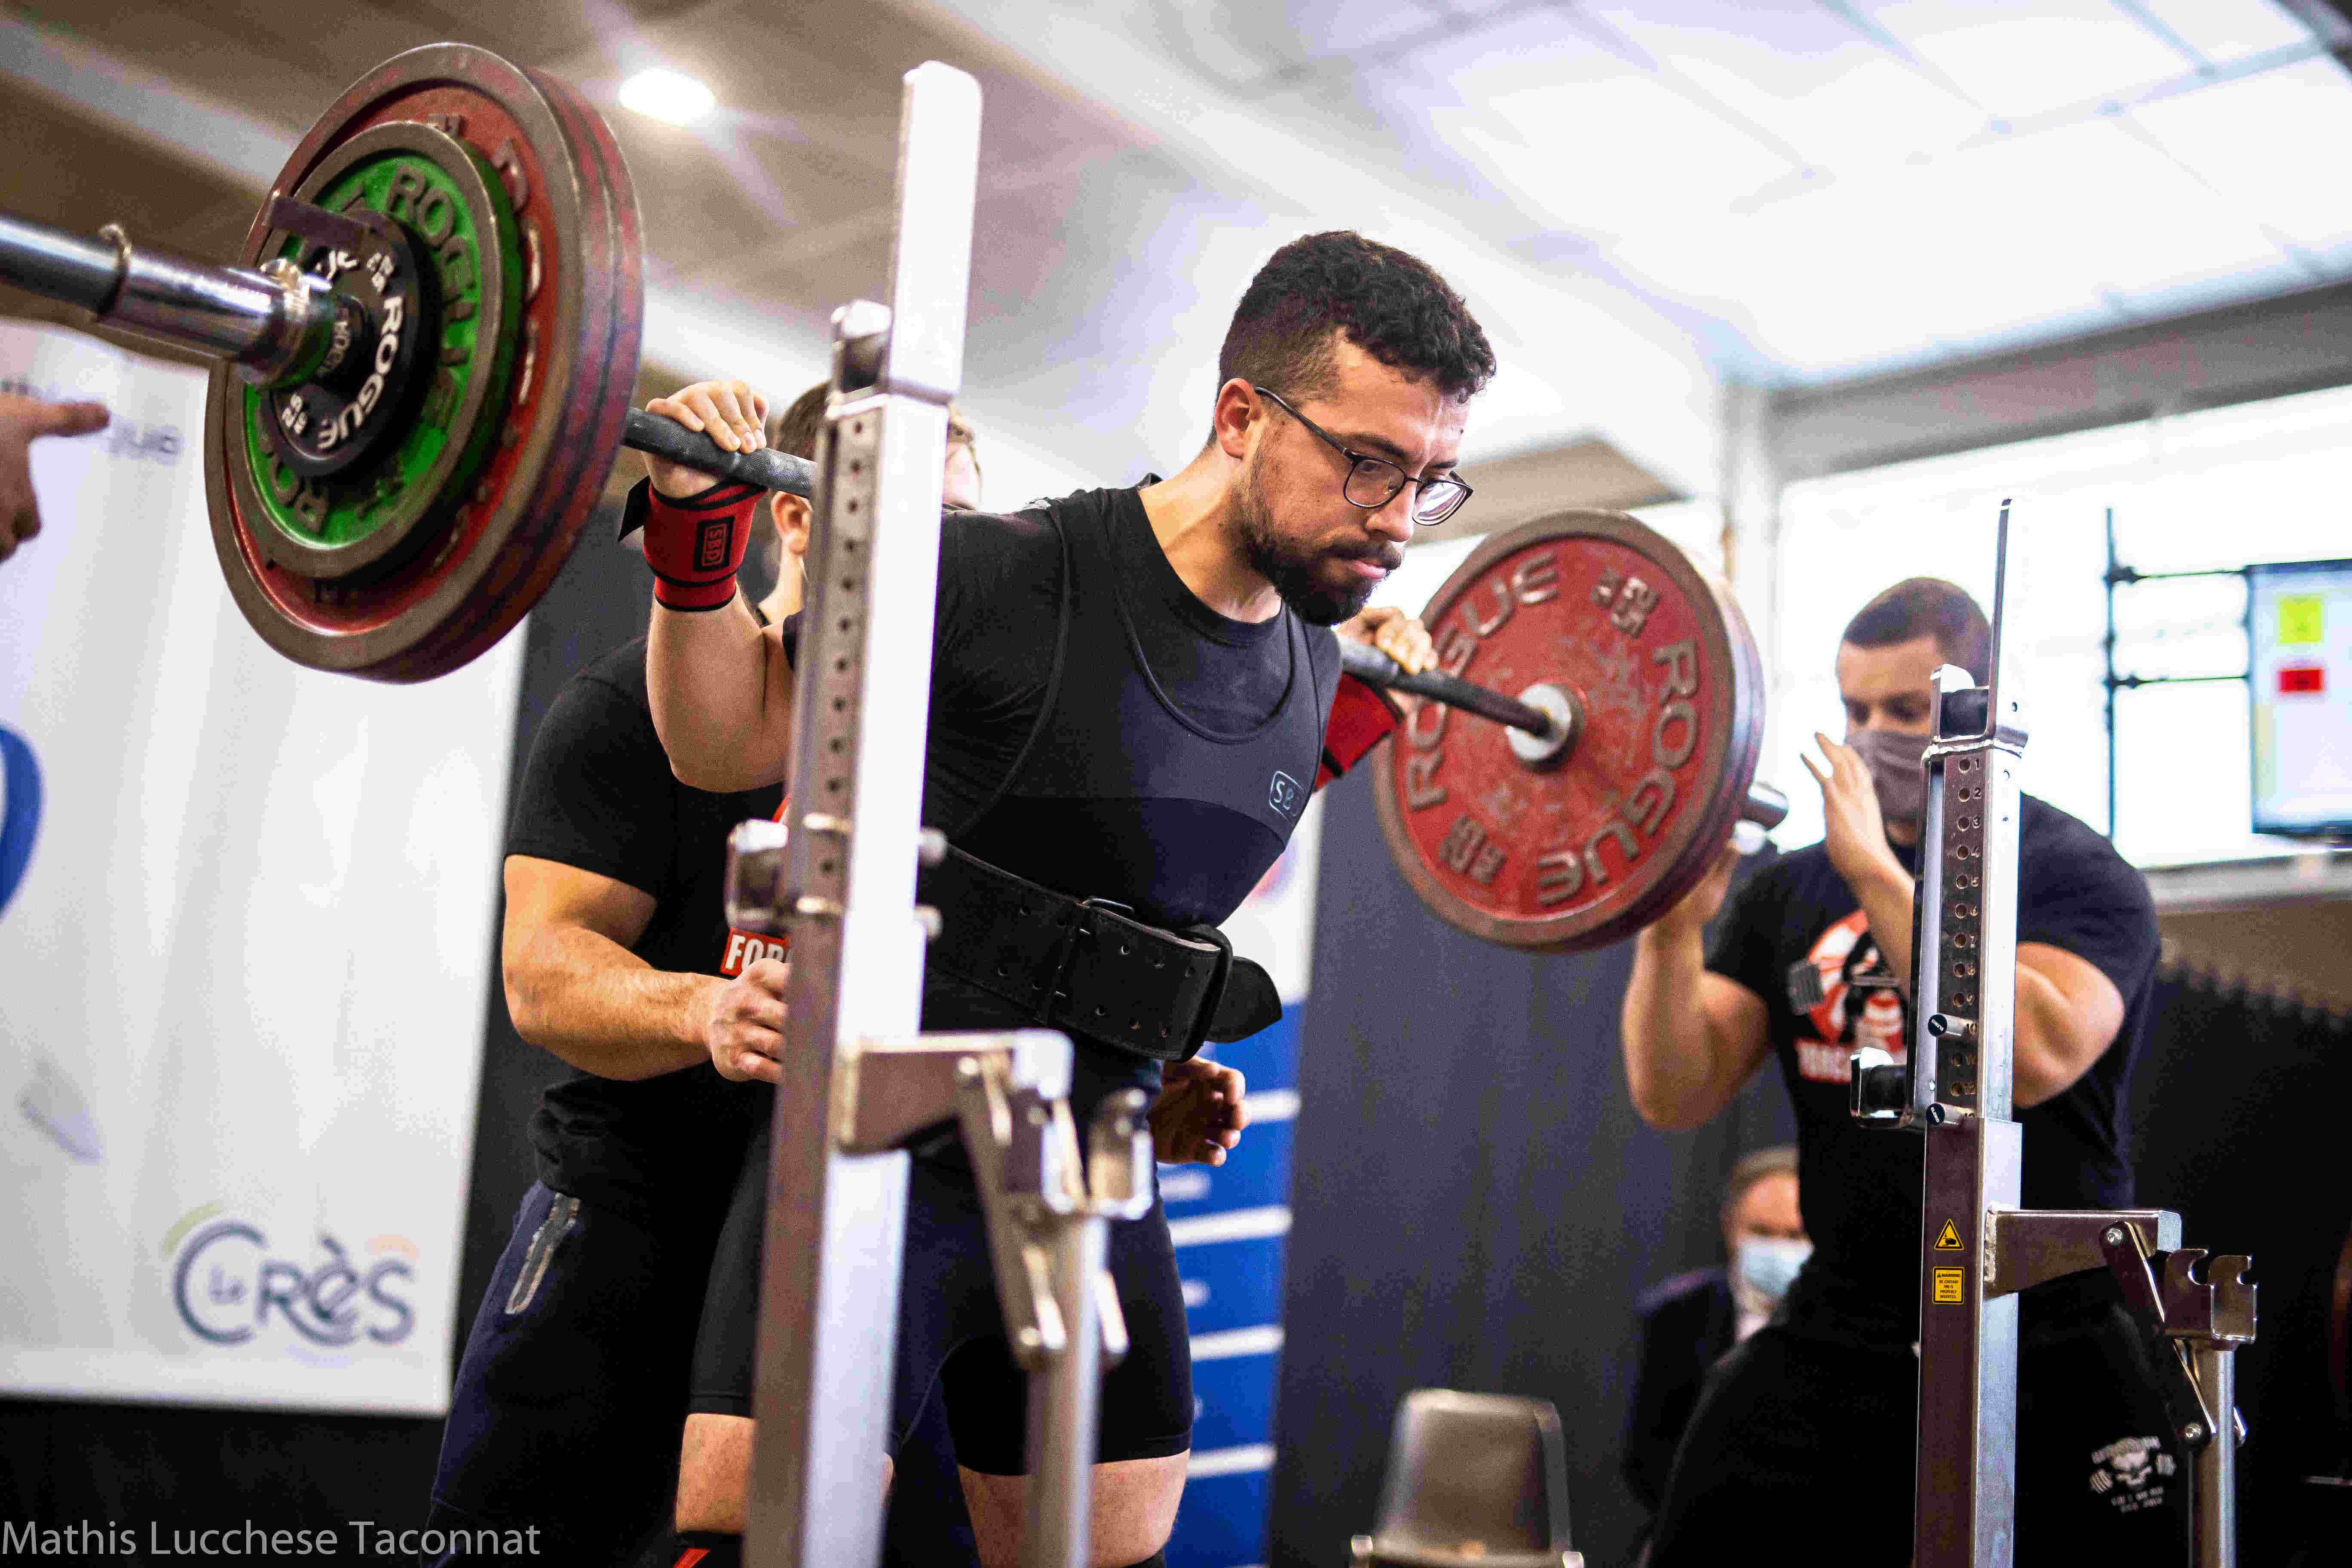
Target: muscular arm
{"x": 578, "y": 993}
{"x": 722, "y": 690}
{"x": 2068, "y": 1013}
{"x": 1691, "y": 1038}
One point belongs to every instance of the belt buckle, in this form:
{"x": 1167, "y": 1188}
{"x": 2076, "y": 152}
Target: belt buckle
{"x": 1079, "y": 926}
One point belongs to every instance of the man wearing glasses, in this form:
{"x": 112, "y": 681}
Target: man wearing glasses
{"x": 1133, "y": 693}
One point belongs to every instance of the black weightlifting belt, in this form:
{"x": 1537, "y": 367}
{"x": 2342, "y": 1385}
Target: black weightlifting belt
{"x": 1089, "y": 968}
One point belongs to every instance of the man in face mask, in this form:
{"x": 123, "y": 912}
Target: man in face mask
{"x": 1813, "y": 959}
{"x": 1690, "y": 1321}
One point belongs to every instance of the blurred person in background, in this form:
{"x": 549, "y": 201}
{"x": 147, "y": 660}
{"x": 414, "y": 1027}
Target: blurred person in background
{"x": 1813, "y": 961}
{"x": 1690, "y": 1321}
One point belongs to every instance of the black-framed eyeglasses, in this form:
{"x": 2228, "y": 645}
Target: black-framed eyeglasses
{"x": 1373, "y": 482}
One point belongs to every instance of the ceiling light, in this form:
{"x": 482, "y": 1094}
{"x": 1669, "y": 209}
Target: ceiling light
{"x": 666, "y": 95}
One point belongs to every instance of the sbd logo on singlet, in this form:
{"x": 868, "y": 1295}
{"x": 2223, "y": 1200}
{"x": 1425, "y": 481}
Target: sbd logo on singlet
{"x": 745, "y": 949}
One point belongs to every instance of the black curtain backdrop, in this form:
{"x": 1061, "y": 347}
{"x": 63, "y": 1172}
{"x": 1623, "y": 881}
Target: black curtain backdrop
{"x": 2238, "y": 1123}
{"x": 1476, "y": 1206}
{"x": 65, "y": 1462}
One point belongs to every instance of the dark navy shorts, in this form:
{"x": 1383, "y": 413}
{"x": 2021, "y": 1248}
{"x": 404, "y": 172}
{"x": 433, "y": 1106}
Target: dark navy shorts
{"x": 952, "y": 1349}
{"x": 571, "y": 1400}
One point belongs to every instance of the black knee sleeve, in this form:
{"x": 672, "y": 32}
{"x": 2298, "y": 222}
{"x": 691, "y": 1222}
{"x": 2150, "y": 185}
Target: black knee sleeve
{"x": 1156, "y": 1559}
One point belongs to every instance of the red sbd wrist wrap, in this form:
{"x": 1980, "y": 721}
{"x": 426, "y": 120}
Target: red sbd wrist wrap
{"x": 695, "y": 545}
{"x": 1362, "y": 716}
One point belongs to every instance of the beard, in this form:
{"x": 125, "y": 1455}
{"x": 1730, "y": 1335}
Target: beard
{"x": 1295, "y": 569}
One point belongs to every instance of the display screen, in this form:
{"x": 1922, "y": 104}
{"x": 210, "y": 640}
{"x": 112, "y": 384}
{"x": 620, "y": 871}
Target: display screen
{"x": 2299, "y": 626}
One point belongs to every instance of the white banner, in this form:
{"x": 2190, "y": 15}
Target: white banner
{"x": 243, "y": 975}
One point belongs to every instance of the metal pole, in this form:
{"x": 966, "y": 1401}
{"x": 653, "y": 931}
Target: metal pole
{"x": 2108, "y": 645}
{"x": 1063, "y": 1397}
{"x": 1963, "y": 968}
{"x": 828, "y": 1315}
{"x": 2214, "y": 1503}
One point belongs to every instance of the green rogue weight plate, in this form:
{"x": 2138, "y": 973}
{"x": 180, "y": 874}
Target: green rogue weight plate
{"x": 422, "y": 554}
{"x": 433, "y": 435}
{"x": 1582, "y": 848}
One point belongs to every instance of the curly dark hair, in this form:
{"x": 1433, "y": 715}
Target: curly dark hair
{"x": 1391, "y": 305}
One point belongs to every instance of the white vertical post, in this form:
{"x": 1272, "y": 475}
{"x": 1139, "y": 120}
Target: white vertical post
{"x": 828, "y": 1317}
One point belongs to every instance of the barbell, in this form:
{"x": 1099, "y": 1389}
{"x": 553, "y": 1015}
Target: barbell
{"x": 425, "y": 356}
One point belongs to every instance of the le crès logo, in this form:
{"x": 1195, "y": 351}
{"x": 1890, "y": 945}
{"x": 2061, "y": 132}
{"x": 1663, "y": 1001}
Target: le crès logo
{"x": 232, "y": 1286}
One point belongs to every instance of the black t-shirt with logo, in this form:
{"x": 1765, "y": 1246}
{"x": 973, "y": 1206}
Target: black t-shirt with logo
{"x": 1796, "y": 937}
{"x": 598, "y": 793}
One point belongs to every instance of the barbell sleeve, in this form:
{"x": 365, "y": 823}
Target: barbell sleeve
{"x": 1373, "y": 667}
{"x": 264, "y": 322}
{"x": 767, "y": 467}
{"x": 1764, "y": 805}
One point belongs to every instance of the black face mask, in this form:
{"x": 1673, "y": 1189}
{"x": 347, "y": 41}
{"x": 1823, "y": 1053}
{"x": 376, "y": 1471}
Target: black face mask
{"x": 1896, "y": 772}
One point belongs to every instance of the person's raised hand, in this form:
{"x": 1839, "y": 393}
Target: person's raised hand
{"x": 22, "y": 420}
{"x": 745, "y": 1030}
{"x": 730, "y": 412}
{"x": 1854, "y": 832}
{"x": 1199, "y": 1113}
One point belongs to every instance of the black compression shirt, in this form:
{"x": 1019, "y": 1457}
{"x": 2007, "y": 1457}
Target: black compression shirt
{"x": 1096, "y": 728}
{"x": 598, "y": 793}
{"x": 1796, "y": 937}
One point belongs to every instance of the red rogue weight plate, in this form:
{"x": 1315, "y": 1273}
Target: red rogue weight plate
{"x": 1590, "y": 849}
{"x": 497, "y": 537}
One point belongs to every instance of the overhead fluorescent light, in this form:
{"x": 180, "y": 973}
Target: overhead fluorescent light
{"x": 667, "y": 95}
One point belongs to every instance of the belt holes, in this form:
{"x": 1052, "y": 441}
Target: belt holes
{"x": 1099, "y": 1012}
{"x": 1024, "y": 908}
{"x": 1000, "y": 972}
{"x": 1123, "y": 950}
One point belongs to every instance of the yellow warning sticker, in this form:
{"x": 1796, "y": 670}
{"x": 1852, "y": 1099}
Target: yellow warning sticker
{"x": 1948, "y": 1238}
{"x": 2302, "y": 617}
{"x": 1947, "y": 1285}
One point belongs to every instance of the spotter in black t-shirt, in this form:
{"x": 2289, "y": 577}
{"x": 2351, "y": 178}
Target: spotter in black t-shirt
{"x": 1796, "y": 937}
{"x": 598, "y": 795}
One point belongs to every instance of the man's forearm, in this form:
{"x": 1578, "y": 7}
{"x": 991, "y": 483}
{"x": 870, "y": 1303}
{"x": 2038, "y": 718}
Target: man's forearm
{"x": 1885, "y": 893}
{"x": 708, "y": 679}
{"x": 1669, "y": 1051}
{"x": 596, "y": 1006}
